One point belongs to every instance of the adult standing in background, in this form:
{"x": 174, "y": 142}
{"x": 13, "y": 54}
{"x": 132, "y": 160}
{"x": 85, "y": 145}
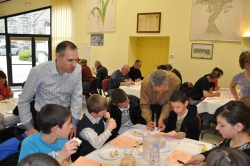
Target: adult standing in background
{"x": 86, "y": 76}
{"x": 175, "y": 71}
{"x": 101, "y": 73}
{"x": 135, "y": 73}
{"x": 54, "y": 82}
{"x": 156, "y": 89}
{"x": 118, "y": 78}
{"x": 243, "y": 78}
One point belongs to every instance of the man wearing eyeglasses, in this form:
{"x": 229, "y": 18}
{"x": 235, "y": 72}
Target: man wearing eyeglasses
{"x": 125, "y": 109}
{"x": 118, "y": 78}
{"x": 156, "y": 90}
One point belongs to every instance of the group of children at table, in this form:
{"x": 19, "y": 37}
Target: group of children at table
{"x": 95, "y": 129}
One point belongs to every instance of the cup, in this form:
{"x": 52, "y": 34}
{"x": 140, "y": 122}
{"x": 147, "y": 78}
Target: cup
{"x": 128, "y": 82}
{"x": 8, "y": 106}
{"x": 128, "y": 148}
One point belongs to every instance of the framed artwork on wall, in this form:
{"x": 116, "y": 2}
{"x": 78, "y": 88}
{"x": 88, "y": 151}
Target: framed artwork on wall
{"x": 202, "y": 51}
{"x": 96, "y": 39}
{"x": 148, "y": 22}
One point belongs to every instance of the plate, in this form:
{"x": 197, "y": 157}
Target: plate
{"x": 166, "y": 149}
{"x": 132, "y": 131}
{"x": 105, "y": 153}
{"x": 9, "y": 112}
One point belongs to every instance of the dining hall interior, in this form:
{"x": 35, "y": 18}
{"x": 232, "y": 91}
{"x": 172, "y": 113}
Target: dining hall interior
{"x": 173, "y": 43}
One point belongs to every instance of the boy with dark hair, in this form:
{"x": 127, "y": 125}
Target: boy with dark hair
{"x": 183, "y": 117}
{"x": 125, "y": 109}
{"x": 55, "y": 124}
{"x": 92, "y": 130}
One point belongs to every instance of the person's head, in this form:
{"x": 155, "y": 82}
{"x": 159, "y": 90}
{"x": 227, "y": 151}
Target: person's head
{"x": 244, "y": 60}
{"x": 137, "y": 64}
{"x": 169, "y": 67}
{"x": 66, "y": 57}
{"x": 3, "y": 81}
{"x": 119, "y": 98}
{"x": 97, "y": 105}
{"x": 162, "y": 67}
{"x": 54, "y": 118}
{"x": 83, "y": 62}
{"x": 179, "y": 102}
{"x": 225, "y": 156}
{"x": 159, "y": 80}
{"x": 125, "y": 69}
{"x": 97, "y": 64}
{"x": 246, "y": 100}
{"x": 38, "y": 159}
{"x": 232, "y": 119}
{"x": 215, "y": 74}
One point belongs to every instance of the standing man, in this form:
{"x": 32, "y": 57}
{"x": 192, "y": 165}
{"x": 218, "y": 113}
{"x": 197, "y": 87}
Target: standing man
{"x": 135, "y": 73}
{"x": 118, "y": 78}
{"x": 53, "y": 82}
{"x": 156, "y": 90}
{"x": 101, "y": 73}
{"x": 175, "y": 71}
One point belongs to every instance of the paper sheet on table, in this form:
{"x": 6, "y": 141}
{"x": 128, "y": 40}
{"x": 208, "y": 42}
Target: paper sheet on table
{"x": 171, "y": 133}
{"x": 189, "y": 147}
{"x": 178, "y": 155}
{"x": 89, "y": 162}
{"x": 120, "y": 140}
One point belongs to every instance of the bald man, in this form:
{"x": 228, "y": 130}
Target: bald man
{"x": 118, "y": 78}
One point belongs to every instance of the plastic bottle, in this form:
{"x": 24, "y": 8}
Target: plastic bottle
{"x": 155, "y": 154}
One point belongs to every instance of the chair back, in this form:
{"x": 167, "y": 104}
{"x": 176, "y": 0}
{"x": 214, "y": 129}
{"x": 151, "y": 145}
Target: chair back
{"x": 200, "y": 121}
{"x": 93, "y": 86}
{"x": 105, "y": 86}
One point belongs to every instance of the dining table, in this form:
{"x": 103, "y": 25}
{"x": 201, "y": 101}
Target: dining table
{"x": 6, "y": 109}
{"x": 132, "y": 90}
{"x": 176, "y": 149}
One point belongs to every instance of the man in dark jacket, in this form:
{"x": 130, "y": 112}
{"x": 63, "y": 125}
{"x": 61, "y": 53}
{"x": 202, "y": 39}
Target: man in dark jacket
{"x": 101, "y": 73}
{"x": 125, "y": 109}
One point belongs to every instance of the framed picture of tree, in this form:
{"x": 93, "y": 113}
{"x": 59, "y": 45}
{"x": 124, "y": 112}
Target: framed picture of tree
{"x": 202, "y": 51}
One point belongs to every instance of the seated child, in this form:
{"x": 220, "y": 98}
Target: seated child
{"x": 183, "y": 117}
{"x": 92, "y": 130}
{"x": 5, "y": 91}
{"x": 38, "y": 159}
{"x": 225, "y": 156}
{"x": 125, "y": 109}
{"x": 233, "y": 124}
{"x": 55, "y": 123}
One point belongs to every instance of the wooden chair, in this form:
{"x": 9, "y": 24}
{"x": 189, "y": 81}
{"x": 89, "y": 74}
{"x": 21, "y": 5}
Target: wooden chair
{"x": 105, "y": 86}
{"x": 93, "y": 86}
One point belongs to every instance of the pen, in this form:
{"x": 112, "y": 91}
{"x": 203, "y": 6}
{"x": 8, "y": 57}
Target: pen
{"x": 180, "y": 162}
{"x": 139, "y": 145}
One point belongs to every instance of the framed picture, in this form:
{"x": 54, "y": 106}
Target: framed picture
{"x": 148, "y": 22}
{"x": 96, "y": 39}
{"x": 202, "y": 51}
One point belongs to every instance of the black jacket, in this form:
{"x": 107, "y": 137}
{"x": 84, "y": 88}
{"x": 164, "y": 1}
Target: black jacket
{"x": 134, "y": 111}
{"x": 190, "y": 124}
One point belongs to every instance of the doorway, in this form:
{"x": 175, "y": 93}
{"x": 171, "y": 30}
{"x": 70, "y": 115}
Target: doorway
{"x": 152, "y": 51}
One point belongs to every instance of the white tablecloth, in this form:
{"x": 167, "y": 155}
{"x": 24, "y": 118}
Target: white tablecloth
{"x": 9, "y": 118}
{"x": 139, "y": 159}
{"x": 132, "y": 90}
{"x": 210, "y": 104}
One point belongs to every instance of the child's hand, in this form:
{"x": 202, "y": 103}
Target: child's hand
{"x": 107, "y": 116}
{"x": 180, "y": 135}
{"x": 68, "y": 149}
{"x": 111, "y": 125}
{"x": 10, "y": 94}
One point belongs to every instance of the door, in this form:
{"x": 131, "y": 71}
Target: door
{"x": 153, "y": 52}
{"x": 25, "y": 53}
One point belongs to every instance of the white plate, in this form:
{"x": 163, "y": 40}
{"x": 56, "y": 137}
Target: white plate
{"x": 132, "y": 132}
{"x": 105, "y": 153}
{"x": 9, "y": 112}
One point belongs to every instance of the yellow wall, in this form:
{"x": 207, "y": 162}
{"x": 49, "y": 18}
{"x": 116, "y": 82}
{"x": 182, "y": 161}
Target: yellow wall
{"x": 175, "y": 23}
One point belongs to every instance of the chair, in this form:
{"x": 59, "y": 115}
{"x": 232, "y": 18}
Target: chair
{"x": 105, "y": 86}
{"x": 92, "y": 87}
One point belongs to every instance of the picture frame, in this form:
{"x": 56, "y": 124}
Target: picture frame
{"x": 96, "y": 39}
{"x": 148, "y": 22}
{"x": 202, "y": 51}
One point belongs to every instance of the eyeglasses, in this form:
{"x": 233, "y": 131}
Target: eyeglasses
{"x": 247, "y": 63}
{"x": 125, "y": 104}
{"x": 161, "y": 88}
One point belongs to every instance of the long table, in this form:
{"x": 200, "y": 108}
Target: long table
{"x": 132, "y": 90}
{"x": 174, "y": 144}
{"x": 9, "y": 117}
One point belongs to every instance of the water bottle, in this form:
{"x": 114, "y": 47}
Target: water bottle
{"x": 155, "y": 154}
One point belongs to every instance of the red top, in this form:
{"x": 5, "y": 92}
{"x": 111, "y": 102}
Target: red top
{"x": 4, "y": 91}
